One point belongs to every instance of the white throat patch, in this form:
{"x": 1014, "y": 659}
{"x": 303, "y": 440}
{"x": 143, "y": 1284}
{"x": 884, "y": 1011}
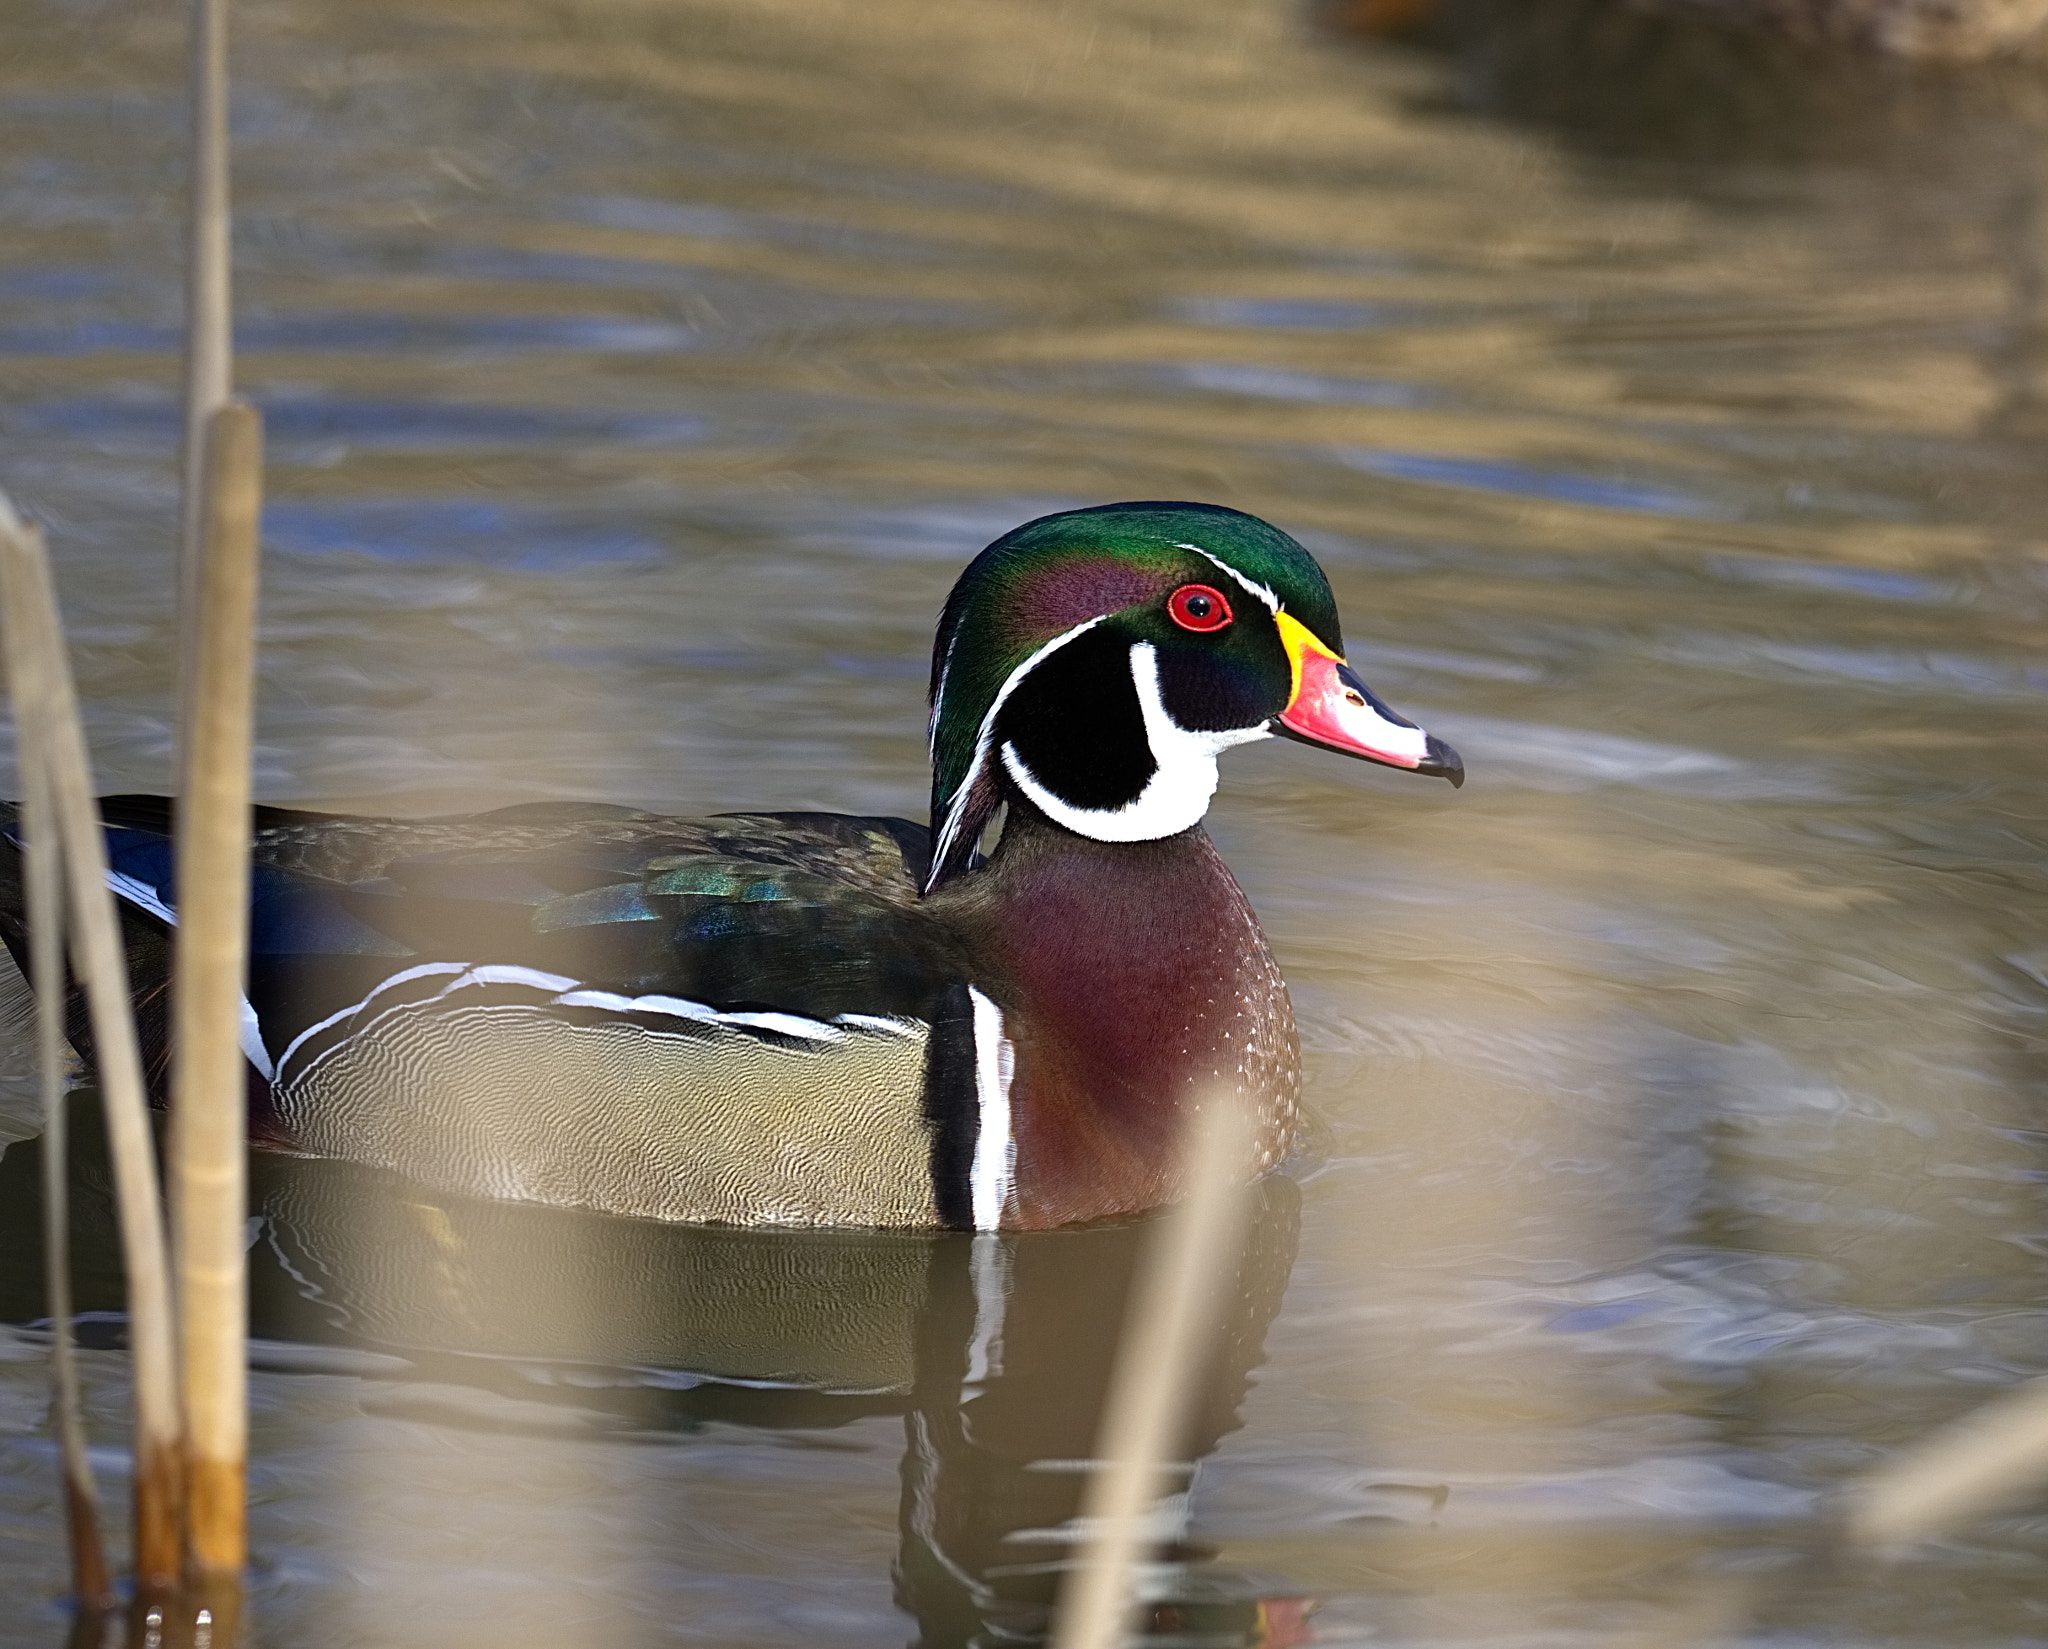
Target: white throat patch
{"x": 1177, "y": 794}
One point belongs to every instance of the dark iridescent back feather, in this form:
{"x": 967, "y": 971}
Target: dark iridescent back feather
{"x": 806, "y": 913}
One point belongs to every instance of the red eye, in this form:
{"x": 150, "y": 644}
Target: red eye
{"x": 1197, "y": 607}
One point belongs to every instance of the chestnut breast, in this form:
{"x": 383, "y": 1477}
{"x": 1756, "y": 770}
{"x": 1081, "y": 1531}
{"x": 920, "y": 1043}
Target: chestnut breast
{"x": 1134, "y": 982}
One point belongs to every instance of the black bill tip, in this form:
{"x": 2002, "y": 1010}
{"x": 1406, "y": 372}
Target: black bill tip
{"x": 1443, "y": 762}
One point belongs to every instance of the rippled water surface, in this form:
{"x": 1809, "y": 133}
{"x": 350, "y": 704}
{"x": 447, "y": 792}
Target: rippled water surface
{"x": 638, "y": 375}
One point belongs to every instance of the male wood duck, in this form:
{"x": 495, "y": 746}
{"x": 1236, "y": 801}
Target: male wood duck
{"x": 811, "y": 1019}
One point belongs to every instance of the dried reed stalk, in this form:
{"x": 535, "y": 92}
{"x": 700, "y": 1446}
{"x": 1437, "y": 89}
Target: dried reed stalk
{"x": 43, "y": 886}
{"x": 1167, "y": 1334}
{"x": 53, "y": 742}
{"x": 209, "y": 1104}
{"x": 209, "y": 1086}
{"x": 1991, "y": 1459}
{"x": 209, "y": 336}
{"x": 1994, "y": 1457}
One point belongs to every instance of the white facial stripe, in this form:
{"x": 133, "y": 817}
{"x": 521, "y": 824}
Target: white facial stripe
{"x": 1179, "y": 791}
{"x": 956, "y": 805}
{"x": 995, "y": 1148}
{"x": 1271, "y": 600}
{"x": 931, "y": 732}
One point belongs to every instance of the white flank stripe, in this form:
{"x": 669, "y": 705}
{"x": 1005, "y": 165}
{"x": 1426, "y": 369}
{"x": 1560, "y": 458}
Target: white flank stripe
{"x": 995, "y": 1148}
{"x": 789, "y": 1024}
{"x": 419, "y": 972}
{"x": 681, "y": 1007}
{"x": 879, "y": 1024}
{"x": 508, "y": 973}
{"x": 610, "y": 1001}
{"x": 143, "y": 895}
{"x": 674, "y": 1006}
{"x": 566, "y": 993}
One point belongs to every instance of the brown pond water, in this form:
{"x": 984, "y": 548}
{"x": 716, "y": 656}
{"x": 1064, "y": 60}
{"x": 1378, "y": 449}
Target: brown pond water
{"x": 1669, "y": 418}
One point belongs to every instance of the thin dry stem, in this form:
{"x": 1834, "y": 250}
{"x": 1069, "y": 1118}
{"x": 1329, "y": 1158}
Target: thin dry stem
{"x": 53, "y": 739}
{"x": 209, "y": 336}
{"x": 1991, "y": 1459}
{"x": 43, "y": 879}
{"x": 1166, "y": 1340}
{"x": 209, "y": 1085}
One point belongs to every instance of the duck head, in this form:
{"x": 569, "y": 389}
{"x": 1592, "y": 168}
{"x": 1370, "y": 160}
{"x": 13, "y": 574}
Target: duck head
{"x": 1096, "y": 661}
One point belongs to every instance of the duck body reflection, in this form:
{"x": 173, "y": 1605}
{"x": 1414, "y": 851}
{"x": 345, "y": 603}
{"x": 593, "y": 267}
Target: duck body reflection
{"x": 510, "y": 1319}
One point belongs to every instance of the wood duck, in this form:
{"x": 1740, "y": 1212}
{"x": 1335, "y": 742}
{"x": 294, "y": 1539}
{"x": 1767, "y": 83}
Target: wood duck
{"x": 812, "y": 1019}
